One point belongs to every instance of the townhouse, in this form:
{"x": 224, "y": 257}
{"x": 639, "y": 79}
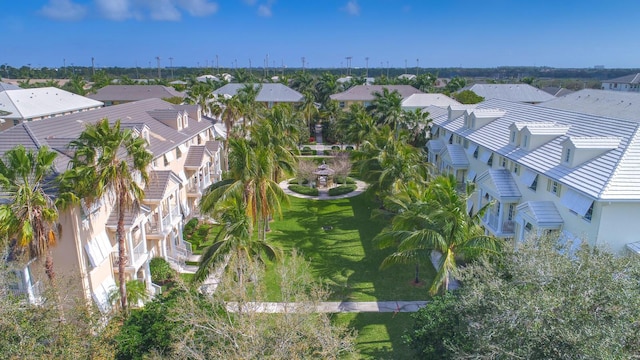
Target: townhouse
{"x": 542, "y": 169}
{"x": 270, "y": 94}
{"x": 120, "y": 94}
{"x": 364, "y": 94}
{"x": 186, "y": 159}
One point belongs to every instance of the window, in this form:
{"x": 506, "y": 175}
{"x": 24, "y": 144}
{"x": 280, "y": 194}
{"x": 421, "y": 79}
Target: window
{"x": 450, "y": 140}
{"x": 534, "y": 184}
{"x": 512, "y": 210}
{"x": 525, "y": 141}
{"x": 503, "y": 162}
{"x": 528, "y": 227}
{"x": 178, "y": 153}
{"x": 567, "y": 155}
{"x": 513, "y": 137}
{"x": 475, "y": 153}
{"x": 465, "y": 143}
{"x": 554, "y": 187}
{"x": 516, "y": 168}
{"x": 589, "y": 214}
{"x": 458, "y": 139}
{"x": 341, "y": 104}
{"x": 490, "y": 161}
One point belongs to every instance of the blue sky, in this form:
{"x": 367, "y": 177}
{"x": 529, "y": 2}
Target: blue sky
{"x": 443, "y": 33}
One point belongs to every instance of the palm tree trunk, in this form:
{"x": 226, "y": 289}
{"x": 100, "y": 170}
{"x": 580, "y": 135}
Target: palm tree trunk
{"x": 121, "y": 253}
{"x": 417, "y": 277}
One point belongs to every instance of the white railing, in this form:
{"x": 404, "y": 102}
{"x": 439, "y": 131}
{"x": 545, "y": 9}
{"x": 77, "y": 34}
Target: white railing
{"x": 175, "y": 211}
{"x": 166, "y": 222}
{"x": 139, "y": 250}
{"x": 155, "y": 289}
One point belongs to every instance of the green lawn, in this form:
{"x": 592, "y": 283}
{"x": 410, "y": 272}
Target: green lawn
{"x": 335, "y": 236}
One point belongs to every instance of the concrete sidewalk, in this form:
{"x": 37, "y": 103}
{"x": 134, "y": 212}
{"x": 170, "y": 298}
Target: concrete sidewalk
{"x": 329, "y": 307}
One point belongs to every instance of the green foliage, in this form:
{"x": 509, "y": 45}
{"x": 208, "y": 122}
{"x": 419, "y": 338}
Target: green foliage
{"x": 161, "y": 271}
{"x": 543, "y": 301}
{"x": 304, "y": 190}
{"x": 342, "y": 180}
{"x": 174, "y": 100}
{"x": 467, "y": 97}
{"x": 190, "y": 227}
{"x": 148, "y": 329}
{"x": 433, "y": 325}
{"x": 342, "y": 189}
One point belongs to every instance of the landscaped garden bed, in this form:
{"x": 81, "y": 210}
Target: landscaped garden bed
{"x": 342, "y": 189}
{"x": 304, "y": 190}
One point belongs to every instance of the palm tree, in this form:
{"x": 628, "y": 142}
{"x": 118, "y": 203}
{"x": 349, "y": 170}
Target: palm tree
{"x": 416, "y": 123}
{"x": 234, "y": 243}
{"x": 387, "y": 163}
{"x": 308, "y": 109}
{"x": 201, "y": 93}
{"x": 435, "y": 220}
{"x": 110, "y": 159}
{"x": 249, "y": 108}
{"x": 30, "y": 213}
{"x": 357, "y": 125}
{"x": 386, "y": 108}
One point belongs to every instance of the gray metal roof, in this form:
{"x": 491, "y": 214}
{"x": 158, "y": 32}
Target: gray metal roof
{"x": 213, "y": 146}
{"x": 543, "y": 213}
{"x": 557, "y": 91}
{"x": 134, "y": 92}
{"x": 7, "y": 86}
{"x": 424, "y": 100}
{"x": 615, "y": 104}
{"x": 627, "y": 79}
{"x": 502, "y": 181}
{"x": 613, "y": 175}
{"x": 269, "y": 92}
{"x": 510, "y": 92}
{"x": 162, "y": 138}
{"x": 455, "y": 155}
{"x": 365, "y": 92}
{"x": 39, "y": 102}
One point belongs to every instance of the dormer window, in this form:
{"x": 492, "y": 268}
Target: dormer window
{"x": 525, "y": 141}
{"x": 475, "y": 153}
{"x": 567, "y": 155}
{"x": 179, "y": 122}
{"x": 513, "y": 137}
{"x": 185, "y": 121}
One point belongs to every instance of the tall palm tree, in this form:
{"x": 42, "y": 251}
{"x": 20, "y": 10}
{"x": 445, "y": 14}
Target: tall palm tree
{"x": 357, "y": 125}
{"x": 436, "y": 220}
{"x": 386, "y": 107}
{"x": 249, "y": 108}
{"x": 30, "y": 215}
{"x": 201, "y": 93}
{"x": 234, "y": 243}
{"x": 110, "y": 159}
{"x": 416, "y": 123}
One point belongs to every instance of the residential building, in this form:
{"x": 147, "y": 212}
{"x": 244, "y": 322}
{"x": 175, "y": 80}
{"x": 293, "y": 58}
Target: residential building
{"x": 607, "y": 103}
{"x": 556, "y": 91}
{"x": 629, "y": 83}
{"x": 18, "y": 105}
{"x": 523, "y": 93}
{"x": 120, "y": 94}
{"x": 186, "y": 159}
{"x": 541, "y": 169}
{"x": 364, "y": 94}
{"x": 270, "y": 94}
{"x": 421, "y": 101}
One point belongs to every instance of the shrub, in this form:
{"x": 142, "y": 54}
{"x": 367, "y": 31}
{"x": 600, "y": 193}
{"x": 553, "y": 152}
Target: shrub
{"x": 341, "y": 180}
{"x": 161, "y": 271}
{"x": 298, "y": 182}
{"x": 349, "y": 148}
{"x": 304, "y": 190}
{"x": 306, "y": 148}
{"x": 335, "y": 147}
{"x": 342, "y": 189}
{"x": 190, "y": 227}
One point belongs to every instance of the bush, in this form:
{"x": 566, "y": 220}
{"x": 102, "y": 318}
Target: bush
{"x": 335, "y": 148}
{"x": 304, "y": 190}
{"x": 306, "y": 148}
{"x": 190, "y": 227}
{"x": 298, "y": 182}
{"x": 342, "y": 189}
{"x": 161, "y": 271}
{"x": 341, "y": 180}
{"x": 349, "y": 148}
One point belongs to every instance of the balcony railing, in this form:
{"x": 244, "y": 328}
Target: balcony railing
{"x": 139, "y": 251}
{"x": 130, "y": 258}
{"x": 33, "y": 292}
{"x": 492, "y": 221}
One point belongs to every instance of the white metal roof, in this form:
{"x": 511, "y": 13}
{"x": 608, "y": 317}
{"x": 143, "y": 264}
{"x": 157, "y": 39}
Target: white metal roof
{"x": 511, "y": 92}
{"x": 543, "y": 213}
{"x": 455, "y": 155}
{"x": 594, "y": 142}
{"x": 613, "y": 175}
{"x": 616, "y": 104}
{"x": 38, "y": 102}
{"x": 268, "y": 92}
{"x": 424, "y": 100}
{"x": 502, "y": 182}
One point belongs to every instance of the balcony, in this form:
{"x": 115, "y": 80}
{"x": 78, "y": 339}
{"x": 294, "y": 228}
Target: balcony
{"x": 33, "y": 292}
{"x": 499, "y": 228}
{"x": 132, "y": 259}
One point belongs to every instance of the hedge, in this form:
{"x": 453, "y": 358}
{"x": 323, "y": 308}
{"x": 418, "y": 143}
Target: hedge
{"x": 342, "y": 189}
{"x": 304, "y": 190}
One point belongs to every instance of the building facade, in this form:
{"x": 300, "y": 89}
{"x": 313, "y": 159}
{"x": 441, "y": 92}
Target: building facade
{"x": 540, "y": 169}
{"x": 186, "y": 159}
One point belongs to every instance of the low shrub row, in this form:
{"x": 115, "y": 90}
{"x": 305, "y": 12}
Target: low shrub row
{"x": 304, "y": 190}
{"x": 342, "y": 189}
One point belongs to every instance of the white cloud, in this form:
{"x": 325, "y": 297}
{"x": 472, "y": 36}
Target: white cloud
{"x": 352, "y": 8}
{"x": 264, "y": 10}
{"x": 160, "y": 10}
{"x": 116, "y": 9}
{"x": 65, "y": 10}
{"x": 199, "y": 7}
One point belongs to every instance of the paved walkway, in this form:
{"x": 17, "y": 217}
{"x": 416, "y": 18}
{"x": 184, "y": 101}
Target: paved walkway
{"x": 329, "y": 307}
{"x": 323, "y": 194}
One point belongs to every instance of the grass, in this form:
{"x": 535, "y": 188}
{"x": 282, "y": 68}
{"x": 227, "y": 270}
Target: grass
{"x": 335, "y": 236}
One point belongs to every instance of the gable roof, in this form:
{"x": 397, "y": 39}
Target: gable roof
{"x": 365, "y": 92}
{"x": 163, "y": 138}
{"x": 502, "y": 182}
{"x": 134, "y": 92}
{"x": 510, "y": 92}
{"x": 38, "y": 102}
{"x": 159, "y": 184}
{"x": 543, "y": 213}
{"x": 615, "y": 104}
{"x": 557, "y": 91}
{"x": 627, "y": 79}
{"x": 424, "y": 100}
{"x": 613, "y": 175}
{"x": 269, "y": 92}
{"x": 196, "y": 156}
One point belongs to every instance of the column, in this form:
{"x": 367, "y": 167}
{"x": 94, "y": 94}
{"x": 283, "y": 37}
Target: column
{"x": 130, "y": 248}
{"x": 500, "y": 213}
